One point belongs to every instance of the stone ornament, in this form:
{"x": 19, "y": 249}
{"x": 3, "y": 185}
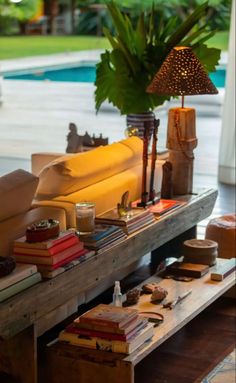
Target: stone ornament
{"x": 159, "y": 294}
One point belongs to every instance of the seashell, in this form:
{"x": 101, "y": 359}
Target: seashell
{"x": 159, "y": 294}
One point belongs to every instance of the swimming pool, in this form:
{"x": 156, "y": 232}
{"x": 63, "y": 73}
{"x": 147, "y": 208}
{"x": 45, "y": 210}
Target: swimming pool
{"x": 83, "y": 73}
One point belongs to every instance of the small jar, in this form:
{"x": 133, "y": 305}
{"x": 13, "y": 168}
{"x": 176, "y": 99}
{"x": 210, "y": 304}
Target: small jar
{"x": 85, "y": 217}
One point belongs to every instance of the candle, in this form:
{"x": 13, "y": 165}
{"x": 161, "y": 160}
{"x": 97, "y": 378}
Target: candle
{"x": 85, "y": 215}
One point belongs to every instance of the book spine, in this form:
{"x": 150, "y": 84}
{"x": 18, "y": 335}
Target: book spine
{"x": 103, "y": 323}
{"x": 224, "y": 271}
{"x": 50, "y": 251}
{"x": 94, "y": 333}
{"x": 95, "y": 343}
{"x": 63, "y": 236}
{"x": 50, "y": 260}
{"x": 19, "y": 286}
{"x": 16, "y": 276}
{"x": 61, "y": 263}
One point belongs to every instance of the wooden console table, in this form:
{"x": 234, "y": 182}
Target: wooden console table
{"x": 30, "y": 313}
{"x": 91, "y": 366}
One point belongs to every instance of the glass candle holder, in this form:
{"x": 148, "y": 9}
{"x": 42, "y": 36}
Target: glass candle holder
{"x": 85, "y": 216}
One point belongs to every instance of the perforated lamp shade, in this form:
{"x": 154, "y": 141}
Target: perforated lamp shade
{"x": 181, "y": 74}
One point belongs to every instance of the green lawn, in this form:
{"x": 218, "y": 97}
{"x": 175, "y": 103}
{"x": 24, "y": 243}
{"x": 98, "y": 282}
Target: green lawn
{"x": 23, "y": 46}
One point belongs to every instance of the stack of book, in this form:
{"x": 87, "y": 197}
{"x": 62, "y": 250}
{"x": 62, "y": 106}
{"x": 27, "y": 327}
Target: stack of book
{"x": 103, "y": 237}
{"x": 22, "y": 277}
{"x": 109, "y": 328}
{"x": 136, "y": 219}
{"x": 164, "y": 206}
{"x": 53, "y": 256}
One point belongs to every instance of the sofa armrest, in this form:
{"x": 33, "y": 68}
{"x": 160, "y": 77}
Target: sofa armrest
{"x": 14, "y": 227}
{"x": 67, "y": 207}
{"x": 39, "y": 160}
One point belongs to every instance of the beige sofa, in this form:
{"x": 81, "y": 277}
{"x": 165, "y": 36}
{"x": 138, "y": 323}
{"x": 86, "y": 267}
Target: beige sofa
{"x": 101, "y": 175}
{"x": 59, "y": 181}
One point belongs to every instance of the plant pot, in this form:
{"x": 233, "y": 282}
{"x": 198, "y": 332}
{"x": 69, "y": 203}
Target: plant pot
{"x": 140, "y": 121}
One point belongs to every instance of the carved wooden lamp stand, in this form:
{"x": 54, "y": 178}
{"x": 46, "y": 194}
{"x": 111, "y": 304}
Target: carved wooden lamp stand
{"x": 181, "y": 74}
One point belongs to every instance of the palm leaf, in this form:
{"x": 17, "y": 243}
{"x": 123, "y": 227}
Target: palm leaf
{"x": 187, "y": 25}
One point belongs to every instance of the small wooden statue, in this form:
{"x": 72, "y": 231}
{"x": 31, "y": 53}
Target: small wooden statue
{"x": 167, "y": 184}
{"x": 75, "y": 142}
{"x": 124, "y": 206}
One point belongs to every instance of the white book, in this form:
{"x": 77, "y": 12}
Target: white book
{"x": 21, "y": 271}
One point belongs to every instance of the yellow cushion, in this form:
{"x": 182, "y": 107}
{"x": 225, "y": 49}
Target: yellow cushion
{"x": 107, "y": 193}
{"x": 68, "y": 175}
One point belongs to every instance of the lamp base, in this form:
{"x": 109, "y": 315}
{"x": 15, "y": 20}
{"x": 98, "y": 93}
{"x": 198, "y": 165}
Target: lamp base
{"x": 181, "y": 140}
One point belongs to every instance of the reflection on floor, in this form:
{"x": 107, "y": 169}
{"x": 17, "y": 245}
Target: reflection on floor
{"x": 224, "y": 372}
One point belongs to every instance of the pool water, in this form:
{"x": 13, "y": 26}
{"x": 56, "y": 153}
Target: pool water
{"x": 77, "y": 74}
{"x": 218, "y": 78}
{"x": 85, "y": 74}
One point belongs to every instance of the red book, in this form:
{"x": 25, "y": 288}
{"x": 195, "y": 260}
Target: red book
{"x": 108, "y": 315}
{"x": 58, "y": 248}
{"x": 62, "y": 263}
{"x": 139, "y": 324}
{"x": 50, "y": 260}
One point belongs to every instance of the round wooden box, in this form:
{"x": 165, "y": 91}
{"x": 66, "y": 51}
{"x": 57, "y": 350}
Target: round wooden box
{"x": 203, "y": 251}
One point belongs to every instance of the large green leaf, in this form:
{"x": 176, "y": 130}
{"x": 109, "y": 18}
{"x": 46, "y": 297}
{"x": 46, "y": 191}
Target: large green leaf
{"x": 209, "y": 57}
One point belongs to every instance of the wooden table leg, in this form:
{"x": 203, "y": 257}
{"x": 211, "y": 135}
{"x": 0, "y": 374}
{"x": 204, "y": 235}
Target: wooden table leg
{"x": 18, "y": 356}
{"x": 63, "y": 362}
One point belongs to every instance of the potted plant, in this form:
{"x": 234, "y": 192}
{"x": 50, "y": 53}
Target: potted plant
{"x": 138, "y": 51}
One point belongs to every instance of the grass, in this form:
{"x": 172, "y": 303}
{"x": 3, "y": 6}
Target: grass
{"x": 23, "y": 46}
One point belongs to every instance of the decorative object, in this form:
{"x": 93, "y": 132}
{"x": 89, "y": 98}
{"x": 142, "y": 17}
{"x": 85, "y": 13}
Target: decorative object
{"x": 223, "y": 231}
{"x": 7, "y": 265}
{"x": 153, "y": 317}
{"x": 124, "y": 207}
{"x": 132, "y": 297}
{"x": 74, "y": 141}
{"x": 181, "y": 74}
{"x": 195, "y": 270}
{"x": 159, "y": 294}
{"x": 167, "y": 183}
{"x": 77, "y": 143}
{"x": 42, "y": 230}
{"x": 202, "y": 251}
{"x": 148, "y": 288}
{"x": 85, "y": 216}
{"x": 136, "y": 123}
{"x": 170, "y": 305}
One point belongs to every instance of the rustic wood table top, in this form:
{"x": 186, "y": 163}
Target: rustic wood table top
{"x": 49, "y": 302}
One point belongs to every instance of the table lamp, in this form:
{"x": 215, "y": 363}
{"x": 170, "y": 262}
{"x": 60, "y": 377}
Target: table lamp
{"x": 181, "y": 74}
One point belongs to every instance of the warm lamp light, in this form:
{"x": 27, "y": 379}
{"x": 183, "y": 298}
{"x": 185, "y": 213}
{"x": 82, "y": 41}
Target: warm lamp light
{"x": 181, "y": 74}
